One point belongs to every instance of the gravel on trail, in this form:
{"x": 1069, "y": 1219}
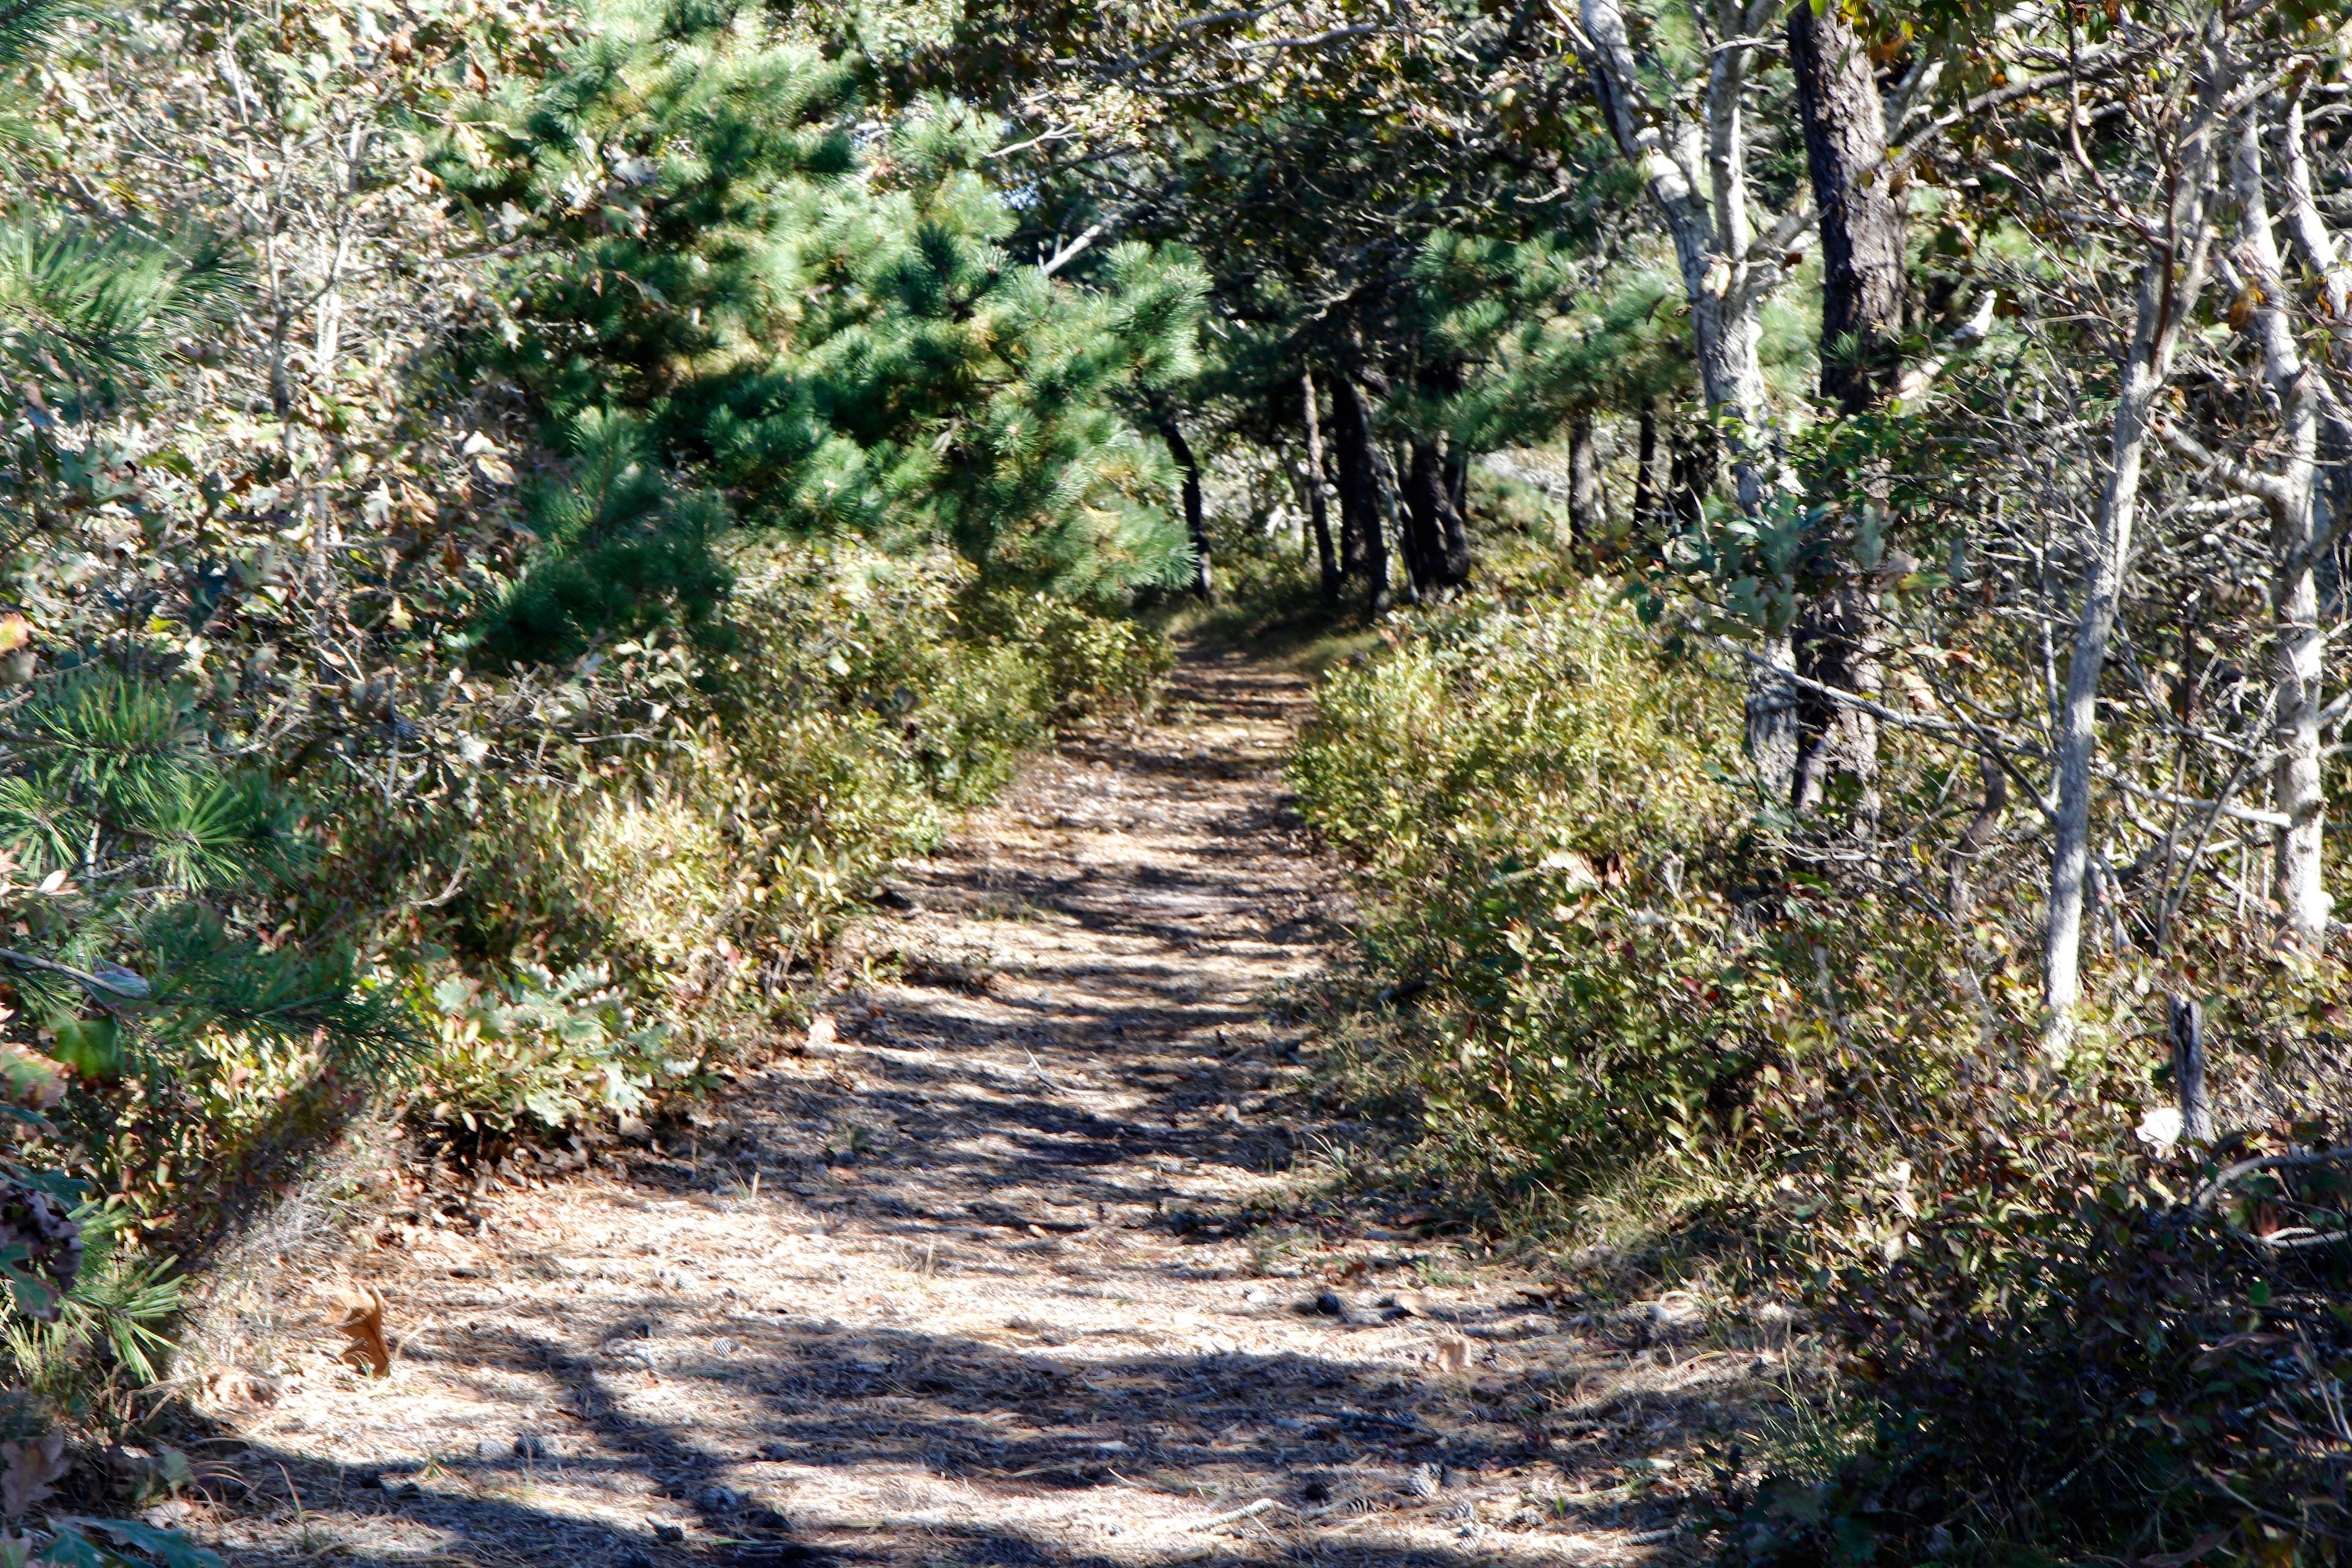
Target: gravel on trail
{"x": 1029, "y": 1264}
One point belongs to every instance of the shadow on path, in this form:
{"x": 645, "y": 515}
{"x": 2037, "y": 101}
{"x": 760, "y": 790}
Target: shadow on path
{"x": 1012, "y": 1274}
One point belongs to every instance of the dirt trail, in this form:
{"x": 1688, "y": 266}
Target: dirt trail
{"x": 1001, "y": 1279}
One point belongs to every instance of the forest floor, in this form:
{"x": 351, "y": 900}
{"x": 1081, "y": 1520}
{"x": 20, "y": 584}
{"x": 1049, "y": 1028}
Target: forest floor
{"x": 1034, "y": 1264}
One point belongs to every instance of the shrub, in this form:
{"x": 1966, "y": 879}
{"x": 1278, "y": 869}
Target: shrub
{"x": 2085, "y": 1350}
{"x": 858, "y": 701}
{"x": 1093, "y": 666}
{"x": 1595, "y": 974}
{"x": 1533, "y": 792}
{"x": 555, "y": 1050}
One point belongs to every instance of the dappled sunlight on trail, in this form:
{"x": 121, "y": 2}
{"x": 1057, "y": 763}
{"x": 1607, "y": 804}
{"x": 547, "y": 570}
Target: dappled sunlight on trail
{"x": 1011, "y": 1271}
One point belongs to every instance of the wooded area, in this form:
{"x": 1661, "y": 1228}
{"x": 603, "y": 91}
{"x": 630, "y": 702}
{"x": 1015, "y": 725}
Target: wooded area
{"x": 520, "y": 512}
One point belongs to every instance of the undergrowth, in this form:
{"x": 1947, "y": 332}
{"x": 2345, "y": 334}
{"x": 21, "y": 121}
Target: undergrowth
{"x": 1603, "y": 993}
{"x": 565, "y": 945}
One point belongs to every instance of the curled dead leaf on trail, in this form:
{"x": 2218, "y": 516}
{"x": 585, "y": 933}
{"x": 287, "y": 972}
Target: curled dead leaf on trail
{"x": 359, "y": 1317}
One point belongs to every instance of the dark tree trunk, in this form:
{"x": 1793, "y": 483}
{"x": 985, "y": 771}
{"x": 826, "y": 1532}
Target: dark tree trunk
{"x": 1645, "y": 469}
{"x": 1388, "y": 490}
{"x": 1318, "y": 511}
{"x": 1864, "y": 285}
{"x": 1586, "y": 522}
{"x": 1836, "y": 645}
{"x": 1454, "y": 520}
{"x": 1692, "y": 476}
{"x": 1864, "y": 312}
{"x": 1351, "y": 522}
{"x": 1439, "y": 539}
{"x": 1362, "y": 494}
{"x": 1203, "y": 583}
{"x": 1422, "y": 550}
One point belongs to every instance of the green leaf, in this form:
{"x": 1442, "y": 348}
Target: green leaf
{"x": 91, "y": 1047}
{"x": 71, "y": 1551}
{"x": 168, "y": 1547}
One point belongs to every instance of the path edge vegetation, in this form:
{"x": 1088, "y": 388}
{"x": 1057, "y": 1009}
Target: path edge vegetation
{"x": 481, "y": 636}
{"x": 525, "y": 509}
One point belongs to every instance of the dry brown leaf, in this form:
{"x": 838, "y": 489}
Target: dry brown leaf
{"x": 15, "y": 631}
{"x": 359, "y": 1317}
{"x": 240, "y": 1386}
{"x": 30, "y": 1471}
{"x": 1454, "y": 1356}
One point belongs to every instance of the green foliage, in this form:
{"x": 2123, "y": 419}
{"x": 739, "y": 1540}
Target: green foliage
{"x": 1541, "y": 360}
{"x": 91, "y": 311}
{"x": 176, "y": 1028}
{"x": 117, "y": 1300}
{"x": 1536, "y": 792}
{"x": 711, "y": 280}
{"x": 98, "y": 1296}
{"x": 618, "y": 553}
{"x": 139, "y": 836}
{"x": 560, "y": 1051}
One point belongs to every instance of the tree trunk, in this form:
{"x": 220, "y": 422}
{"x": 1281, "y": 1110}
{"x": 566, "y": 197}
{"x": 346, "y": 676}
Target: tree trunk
{"x": 1863, "y": 294}
{"x": 1690, "y": 473}
{"x": 1453, "y": 517}
{"x": 1835, "y": 643}
{"x": 1318, "y": 511}
{"x": 1417, "y": 515}
{"x": 1771, "y": 718}
{"x": 1647, "y": 486}
{"x": 1362, "y": 496}
{"x": 1352, "y": 521}
{"x": 1203, "y": 583}
{"x": 1351, "y": 478}
{"x": 2168, "y": 286}
{"x": 1724, "y": 282}
{"x": 1864, "y": 308}
{"x": 1389, "y": 492}
{"x": 1438, "y": 542}
{"x": 2296, "y": 788}
{"x": 1586, "y": 522}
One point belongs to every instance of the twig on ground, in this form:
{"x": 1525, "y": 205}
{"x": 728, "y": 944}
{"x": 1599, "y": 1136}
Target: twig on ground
{"x": 1232, "y": 1516}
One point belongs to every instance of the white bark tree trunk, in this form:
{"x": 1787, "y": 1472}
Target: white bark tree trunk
{"x": 1709, "y": 221}
{"x": 2295, "y": 791}
{"x": 2169, "y": 284}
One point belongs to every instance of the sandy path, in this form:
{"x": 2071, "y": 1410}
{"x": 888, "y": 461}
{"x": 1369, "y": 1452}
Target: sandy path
{"x": 1013, "y": 1274}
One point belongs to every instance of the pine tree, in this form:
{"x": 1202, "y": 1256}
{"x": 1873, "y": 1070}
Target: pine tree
{"x": 803, "y": 331}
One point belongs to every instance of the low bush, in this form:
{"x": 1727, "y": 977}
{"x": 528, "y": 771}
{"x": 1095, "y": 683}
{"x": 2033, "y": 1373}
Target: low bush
{"x": 860, "y": 700}
{"x": 552, "y": 1051}
{"x": 1535, "y": 793}
{"x": 1601, "y": 986}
